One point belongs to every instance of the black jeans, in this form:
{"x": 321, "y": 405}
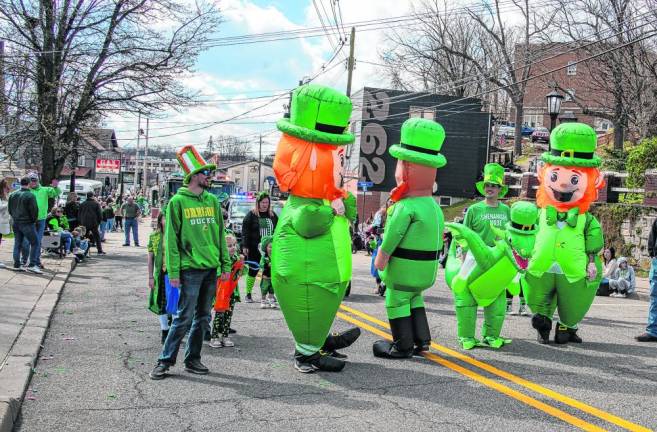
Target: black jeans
{"x": 94, "y": 234}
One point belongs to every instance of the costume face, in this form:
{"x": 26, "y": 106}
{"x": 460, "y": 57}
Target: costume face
{"x": 338, "y": 166}
{"x": 565, "y": 184}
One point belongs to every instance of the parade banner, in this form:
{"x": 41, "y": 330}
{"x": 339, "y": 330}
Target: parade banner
{"x": 108, "y": 166}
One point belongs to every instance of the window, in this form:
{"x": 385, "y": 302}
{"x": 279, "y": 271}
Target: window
{"x": 81, "y": 160}
{"x": 602, "y": 125}
{"x": 417, "y": 111}
{"x": 445, "y": 201}
{"x": 571, "y": 70}
{"x": 570, "y": 95}
{"x": 533, "y": 120}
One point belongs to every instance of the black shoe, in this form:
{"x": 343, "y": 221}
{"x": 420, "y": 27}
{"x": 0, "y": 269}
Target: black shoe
{"x": 126, "y": 244}
{"x": 646, "y": 337}
{"x": 336, "y": 341}
{"x": 159, "y": 371}
{"x": 421, "y": 332}
{"x": 402, "y": 345}
{"x": 321, "y": 361}
{"x": 136, "y": 245}
{"x": 231, "y": 331}
{"x": 196, "y": 367}
{"x": 573, "y": 336}
{"x": 165, "y": 333}
{"x": 207, "y": 337}
{"x": 543, "y": 325}
{"x": 561, "y": 334}
{"x": 337, "y": 355}
{"x": 101, "y": 253}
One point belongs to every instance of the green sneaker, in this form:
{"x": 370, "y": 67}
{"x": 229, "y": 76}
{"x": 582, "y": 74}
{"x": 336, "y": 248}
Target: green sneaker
{"x": 495, "y": 342}
{"x": 468, "y": 343}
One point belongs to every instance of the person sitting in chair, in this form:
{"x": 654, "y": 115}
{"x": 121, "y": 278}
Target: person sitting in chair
{"x": 57, "y": 223}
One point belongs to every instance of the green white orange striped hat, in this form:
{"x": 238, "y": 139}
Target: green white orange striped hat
{"x": 192, "y": 162}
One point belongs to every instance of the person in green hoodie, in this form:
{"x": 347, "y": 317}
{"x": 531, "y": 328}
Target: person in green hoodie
{"x": 195, "y": 252}
{"x": 42, "y": 194}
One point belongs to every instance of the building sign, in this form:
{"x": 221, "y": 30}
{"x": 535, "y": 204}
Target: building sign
{"x": 465, "y": 147}
{"x": 108, "y": 166}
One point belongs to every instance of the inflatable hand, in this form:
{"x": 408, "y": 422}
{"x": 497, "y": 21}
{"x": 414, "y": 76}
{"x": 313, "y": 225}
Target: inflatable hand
{"x": 351, "y": 208}
{"x": 338, "y": 206}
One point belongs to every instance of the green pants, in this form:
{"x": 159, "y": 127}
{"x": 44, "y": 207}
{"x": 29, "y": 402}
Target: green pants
{"x": 466, "y": 315}
{"x": 551, "y": 291}
{"x": 266, "y": 287}
{"x": 399, "y": 303}
{"x": 309, "y": 311}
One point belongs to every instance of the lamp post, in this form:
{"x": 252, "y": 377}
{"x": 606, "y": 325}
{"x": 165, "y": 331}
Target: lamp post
{"x": 553, "y": 99}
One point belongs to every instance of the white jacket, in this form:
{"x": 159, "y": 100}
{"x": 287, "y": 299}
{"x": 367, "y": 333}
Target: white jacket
{"x": 4, "y": 217}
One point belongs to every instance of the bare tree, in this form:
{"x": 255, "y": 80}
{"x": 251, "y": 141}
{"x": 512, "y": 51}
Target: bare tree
{"x": 619, "y": 87}
{"x": 89, "y": 57}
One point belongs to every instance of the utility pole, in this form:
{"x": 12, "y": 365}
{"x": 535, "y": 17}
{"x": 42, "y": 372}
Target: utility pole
{"x": 260, "y": 164}
{"x": 145, "y": 176}
{"x": 137, "y": 152}
{"x": 3, "y": 98}
{"x": 350, "y": 64}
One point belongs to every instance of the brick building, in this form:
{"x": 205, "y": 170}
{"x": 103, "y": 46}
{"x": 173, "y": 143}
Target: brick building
{"x": 579, "y": 80}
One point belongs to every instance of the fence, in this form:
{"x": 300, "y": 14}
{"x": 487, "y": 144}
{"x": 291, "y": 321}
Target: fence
{"x": 525, "y": 185}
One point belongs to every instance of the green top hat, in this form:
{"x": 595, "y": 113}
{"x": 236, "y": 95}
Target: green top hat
{"x": 421, "y": 141}
{"x": 524, "y": 216}
{"x": 573, "y": 144}
{"x": 318, "y": 114}
{"x": 493, "y": 173}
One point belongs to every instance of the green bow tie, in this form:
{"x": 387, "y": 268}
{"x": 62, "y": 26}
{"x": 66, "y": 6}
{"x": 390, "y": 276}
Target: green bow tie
{"x": 570, "y": 217}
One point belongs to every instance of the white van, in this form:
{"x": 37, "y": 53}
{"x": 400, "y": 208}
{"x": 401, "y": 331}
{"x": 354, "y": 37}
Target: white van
{"x": 82, "y": 187}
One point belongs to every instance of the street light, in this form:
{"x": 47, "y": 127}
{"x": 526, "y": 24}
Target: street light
{"x": 553, "y": 106}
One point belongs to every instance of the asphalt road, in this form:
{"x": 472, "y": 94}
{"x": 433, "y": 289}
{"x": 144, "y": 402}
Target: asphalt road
{"x": 93, "y": 372}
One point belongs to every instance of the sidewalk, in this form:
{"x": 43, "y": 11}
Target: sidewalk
{"x": 28, "y": 302}
{"x": 643, "y": 289}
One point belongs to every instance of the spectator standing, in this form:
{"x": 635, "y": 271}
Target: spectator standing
{"x": 71, "y": 210}
{"x": 24, "y": 212}
{"x": 118, "y": 216}
{"x": 108, "y": 214}
{"x": 42, "y": 194}
{"x": 259, "y": 222}
{"x": 195, "y": 249}
{"x": 650, "y": 335}
{"x": 131, "y": 212}
{"x": 4, "y": 211}
{"x": 90, "y": 217}
{"x": 103, "y": 220}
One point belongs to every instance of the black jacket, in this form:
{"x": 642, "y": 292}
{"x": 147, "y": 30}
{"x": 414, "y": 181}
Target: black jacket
{"x": 23, "y": 207}
{"x": 251, "y": 229}
{"x": 90, "y": 215}
{"x": 652, "y": 240}
{"x": 71, "y": 210}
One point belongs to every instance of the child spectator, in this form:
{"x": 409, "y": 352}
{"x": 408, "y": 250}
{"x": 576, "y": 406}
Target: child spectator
{"x": 221, "y": 322}
{"x": 157, "y": 301}
{"x": 80, "y": 245}
{"x": 380, "y": 286}
{"x": 623, "y": 280}
{"x": 371, "y": 245}
{"x": 118, "y": 217}
{"x": 56, "y": 222}
{"x": 266, "y": 288}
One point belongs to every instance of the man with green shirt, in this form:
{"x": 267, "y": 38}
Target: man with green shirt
{"x": 195, "y": 252}
{"x": 479, "y": 218}
{"x": 42, "y": 194}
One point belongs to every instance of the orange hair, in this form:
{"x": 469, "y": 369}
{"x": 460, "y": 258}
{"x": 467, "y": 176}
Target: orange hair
{"x": 292, "y": 168}
{"x": 590, "y": 195}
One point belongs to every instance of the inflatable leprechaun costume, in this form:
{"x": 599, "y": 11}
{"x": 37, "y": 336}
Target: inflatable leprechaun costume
{"x": 408, "y": 257}
{"x": 564, "y": 270}
{"x": 311, "y": 250}
{"x": 488, "y": 272}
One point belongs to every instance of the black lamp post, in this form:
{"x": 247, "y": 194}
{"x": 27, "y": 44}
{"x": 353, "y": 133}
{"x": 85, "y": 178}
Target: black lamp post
{"x": 553, "y": 106}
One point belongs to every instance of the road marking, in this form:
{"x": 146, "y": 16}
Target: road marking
{"x": 618, "y": 421}
{"x": 548, "y": 409}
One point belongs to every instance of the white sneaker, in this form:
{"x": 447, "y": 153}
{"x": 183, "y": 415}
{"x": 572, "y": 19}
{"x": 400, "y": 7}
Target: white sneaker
{"x": 263, "y": 304}
{"x": 273, "y": 304}
{"x": 621, "y": 295}
{"x": 227, "y": 342}
{"x": 613, "y": 294}
{"x": 215, "y": 343}
{"x": 35, "y": 270}
{"x": 2, "y": 265}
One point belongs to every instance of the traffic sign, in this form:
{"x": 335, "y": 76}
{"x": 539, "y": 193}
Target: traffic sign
{"x": 271, "y": 180}
{"x": 365, "y": 184}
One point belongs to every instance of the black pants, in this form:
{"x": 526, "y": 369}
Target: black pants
{"x": 94, "y": 234}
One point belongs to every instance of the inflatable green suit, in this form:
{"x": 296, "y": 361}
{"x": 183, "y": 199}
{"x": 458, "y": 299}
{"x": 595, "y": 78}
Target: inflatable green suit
{"x": 408, "y": 257}
{"x": 564, "y": 271}
{"x": 311, "y": 249}
{"x": 487, "y": 272}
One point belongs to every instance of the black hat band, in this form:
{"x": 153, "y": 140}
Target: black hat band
{"x": 418, "y": 149}
{"x": 332, "y": 129}
{"x": 572, "y": 154}
{"x": 522, "y": 227}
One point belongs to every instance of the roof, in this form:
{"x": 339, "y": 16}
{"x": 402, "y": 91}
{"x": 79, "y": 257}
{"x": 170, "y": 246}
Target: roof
{"x": 232, "y": 164}
{"x": 79, "y": 171}
{"x": 101, "y": 139}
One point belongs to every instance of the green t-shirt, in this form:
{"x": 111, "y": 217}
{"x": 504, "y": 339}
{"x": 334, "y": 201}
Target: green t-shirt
{"x": 480, "y": 217}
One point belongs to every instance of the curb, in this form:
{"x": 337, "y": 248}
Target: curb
{"x": 16, "y": 374}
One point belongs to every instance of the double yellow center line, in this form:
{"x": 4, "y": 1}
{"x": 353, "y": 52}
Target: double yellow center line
{"x": 504, "y": 389}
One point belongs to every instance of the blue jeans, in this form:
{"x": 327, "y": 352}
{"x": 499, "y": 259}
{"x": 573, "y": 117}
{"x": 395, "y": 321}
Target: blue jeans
{"x": 103, "y": 229}
{"x": 197, "y": 290}
{"x": 652, "y": 310}
{"x": 67, "y": 238}
{"x": 40, "y": 228}
{"x": 131, "y": 223}
{"x": 110, "y": 225}
{"x": 25, "y": 233}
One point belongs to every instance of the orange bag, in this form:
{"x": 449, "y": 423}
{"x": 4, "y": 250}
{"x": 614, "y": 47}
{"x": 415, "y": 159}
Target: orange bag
{"x": 225, "y": 288}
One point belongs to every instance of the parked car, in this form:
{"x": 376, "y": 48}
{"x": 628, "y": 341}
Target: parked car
{"x": 506, "y": 131}
{"x": 527, "y": 130}
{"x": 541, "y": 134}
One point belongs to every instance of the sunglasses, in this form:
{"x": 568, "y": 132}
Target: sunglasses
{"x": 206, "y": 172}
{"x": 493, "y": 185}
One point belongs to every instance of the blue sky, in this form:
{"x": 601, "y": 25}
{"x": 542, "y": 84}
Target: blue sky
{"x": 246, "y": 71}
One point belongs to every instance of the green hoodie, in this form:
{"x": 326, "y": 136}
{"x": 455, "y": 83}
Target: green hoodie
{"x": 42, "y": 194}
{"x": 195, "y": 237}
